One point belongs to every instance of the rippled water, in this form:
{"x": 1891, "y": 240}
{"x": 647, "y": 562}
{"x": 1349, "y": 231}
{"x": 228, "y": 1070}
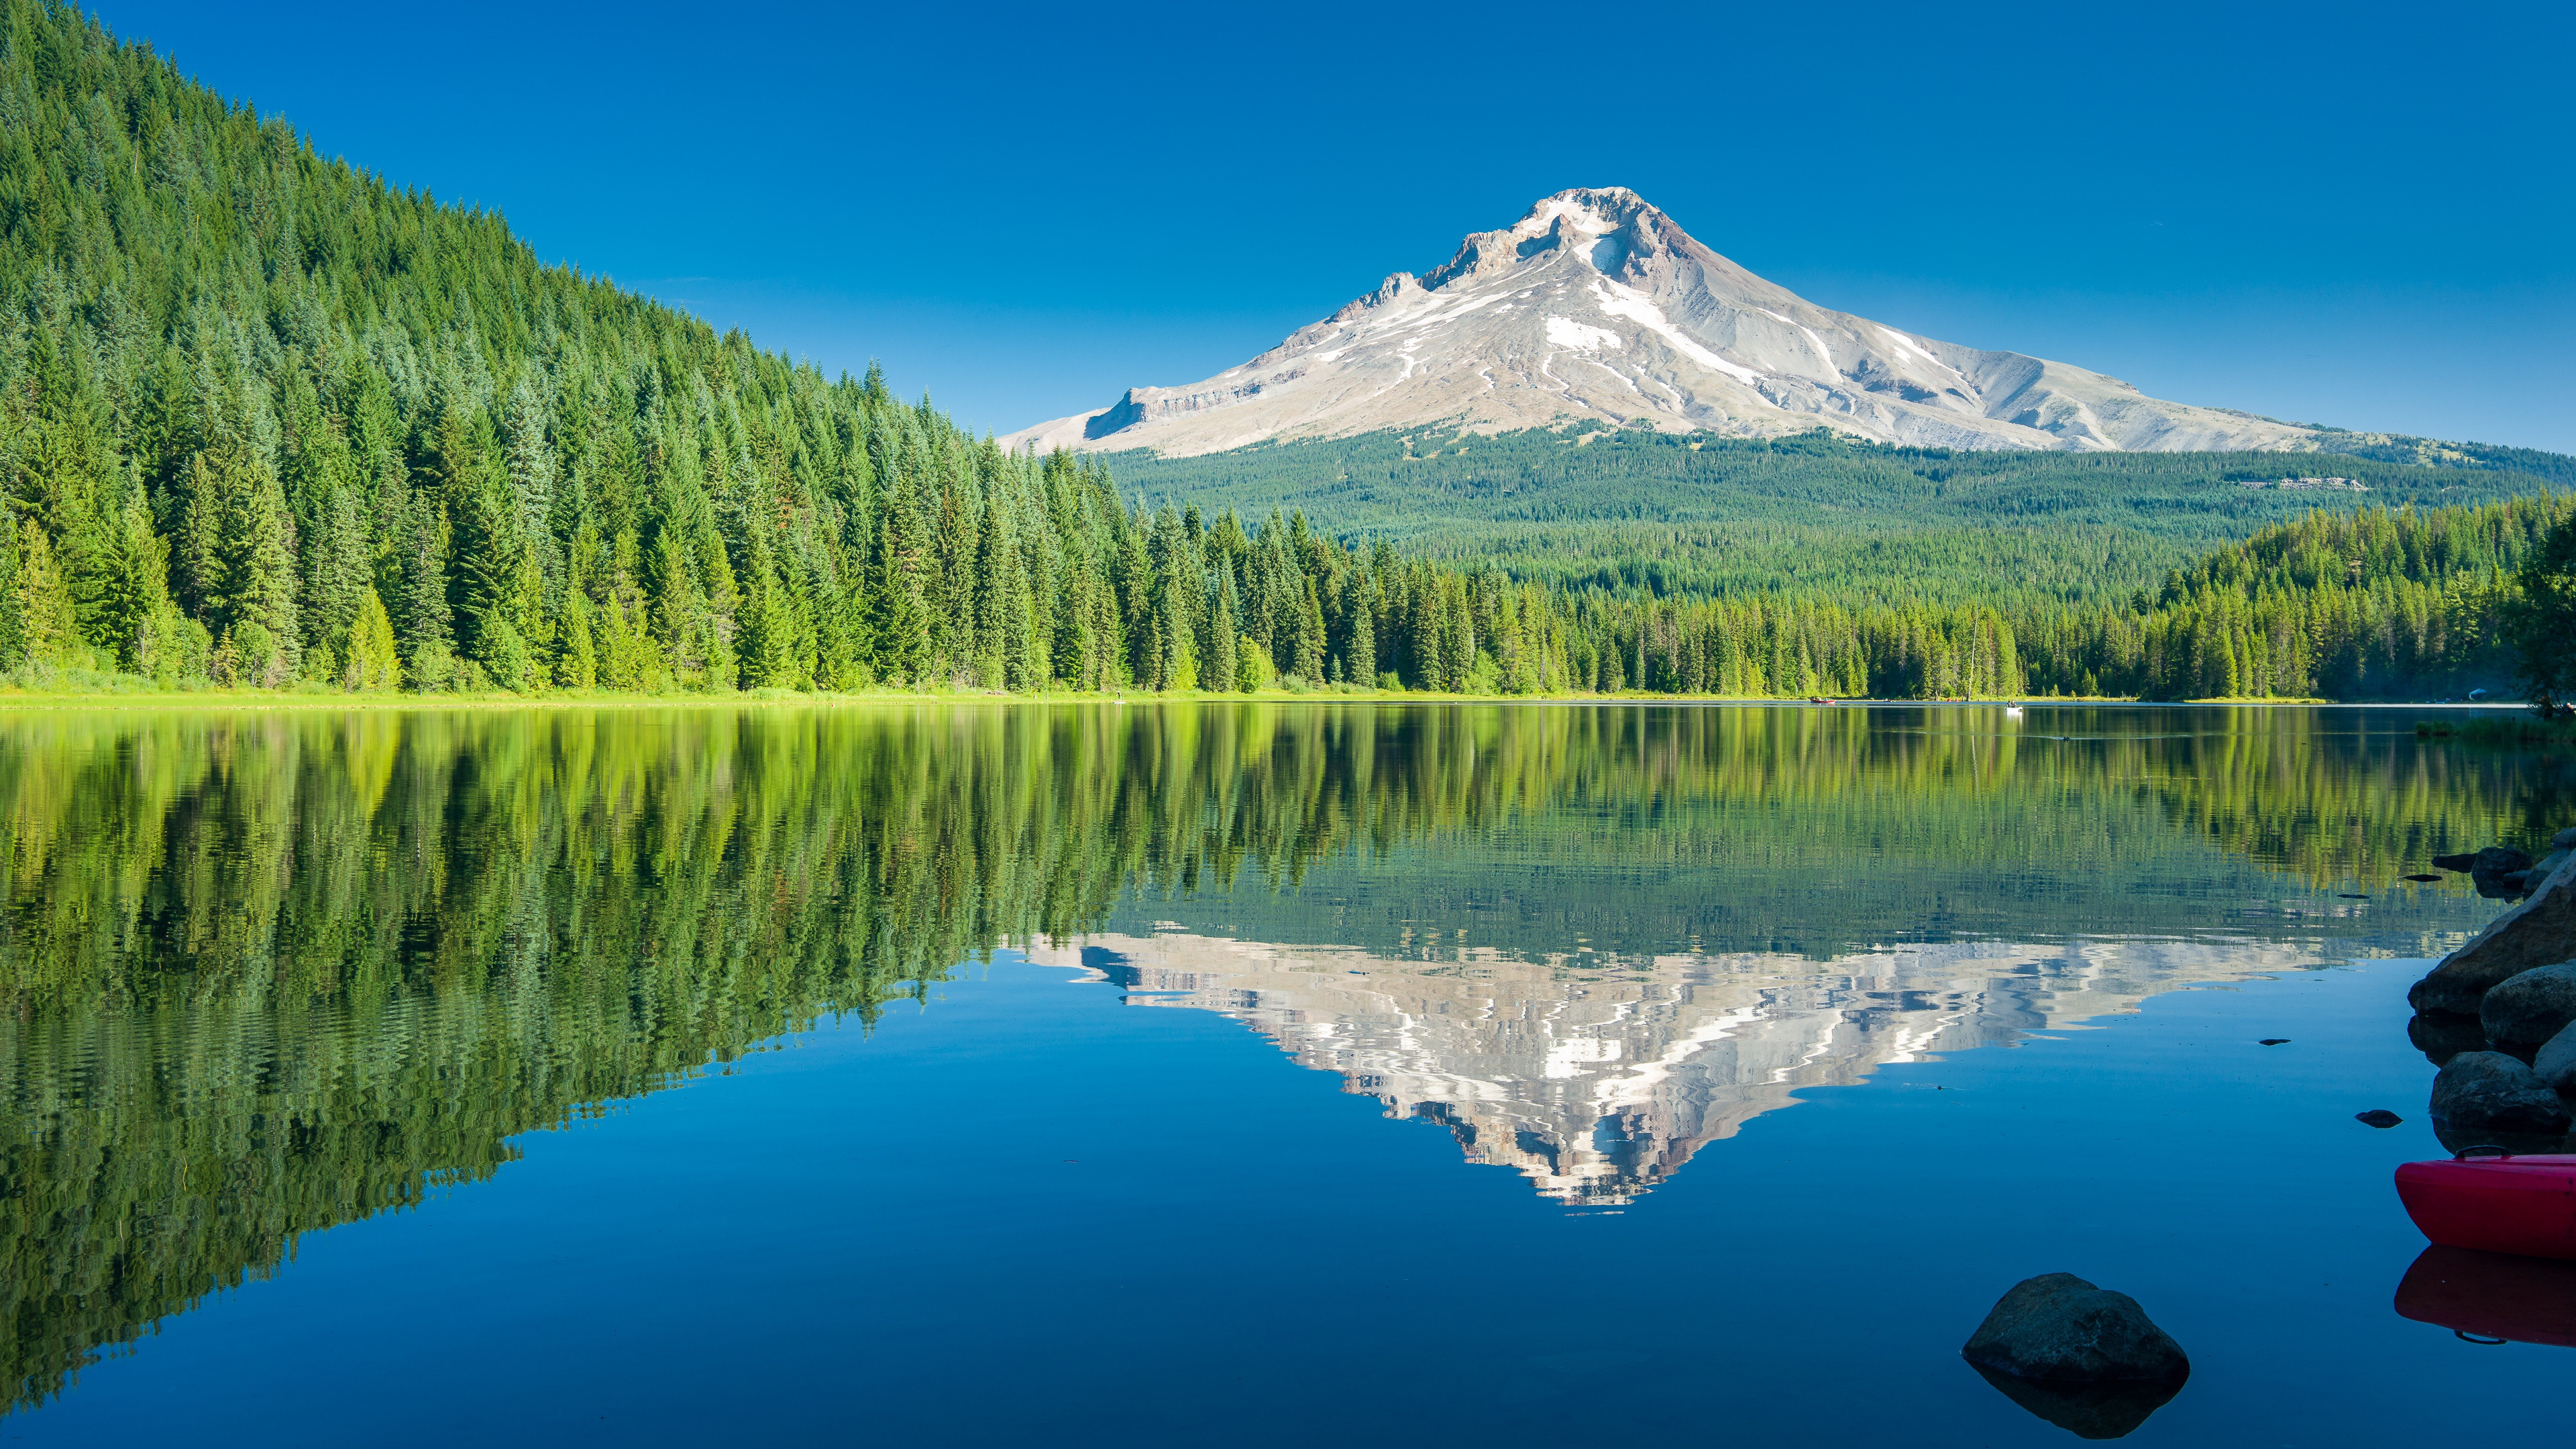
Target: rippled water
{"x": 1246, "y": 1074}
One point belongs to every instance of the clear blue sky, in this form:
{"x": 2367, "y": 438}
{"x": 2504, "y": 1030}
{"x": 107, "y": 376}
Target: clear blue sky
{"x": 2347, "y": 214}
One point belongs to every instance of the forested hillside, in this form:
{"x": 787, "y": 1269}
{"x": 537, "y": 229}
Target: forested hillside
{"x": 267, "y": 420}
{"x": 2377, "y": 604}
{"x": 1672, "y": 515}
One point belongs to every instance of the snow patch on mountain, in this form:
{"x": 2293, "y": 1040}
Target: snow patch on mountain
{"x": 1566, "y": 333}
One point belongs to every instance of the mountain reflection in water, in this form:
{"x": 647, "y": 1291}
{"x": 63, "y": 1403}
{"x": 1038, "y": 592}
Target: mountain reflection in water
{"x": 269, "y": 971}
{"x": 1597, "y": 1078}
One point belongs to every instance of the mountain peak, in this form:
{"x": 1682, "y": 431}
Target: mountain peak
{"x": 1597, "y": 306}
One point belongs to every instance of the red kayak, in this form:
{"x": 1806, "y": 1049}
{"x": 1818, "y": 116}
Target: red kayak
{"x": 2499, "y": 1204}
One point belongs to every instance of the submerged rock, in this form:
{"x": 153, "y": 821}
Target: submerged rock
{"x": 2442, "y": 1035}
{"x": 2530, "y": 1007}
{"x": 2377, "y": 1117}
{"x": 2492, "y": 1092}
{"x": 2556, "y": 1064}
{"x": 2539, "y": 932}
{"x": 2059, "y": 1329}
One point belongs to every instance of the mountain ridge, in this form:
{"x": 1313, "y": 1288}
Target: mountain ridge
{"x": 1596, "y": 305}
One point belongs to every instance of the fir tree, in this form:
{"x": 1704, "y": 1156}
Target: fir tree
{"x": 370, "y": 660}
{"x": 41, "y": 599}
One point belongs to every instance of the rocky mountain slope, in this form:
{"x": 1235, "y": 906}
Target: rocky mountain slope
{"x": 1596, "y": 306}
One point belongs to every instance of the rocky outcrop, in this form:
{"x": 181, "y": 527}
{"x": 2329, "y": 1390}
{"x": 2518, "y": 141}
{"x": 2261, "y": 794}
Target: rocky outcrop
{"x": 2490, "y": 1092}
{"x": 2539, "y": 932}
{"x": 2527, "y": 1009}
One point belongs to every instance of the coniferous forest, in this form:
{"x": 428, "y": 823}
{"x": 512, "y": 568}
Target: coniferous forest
{"x": 269, "y": 420}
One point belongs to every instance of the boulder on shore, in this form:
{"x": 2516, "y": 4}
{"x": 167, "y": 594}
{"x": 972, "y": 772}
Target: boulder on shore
{"x": 2057, "y": 1328}
{"x": 2556, "y": 1064}
{"x": 2539, "y": 932}
{"x": 2492, "y": 1092}
{"x": 2530, "y": 1007}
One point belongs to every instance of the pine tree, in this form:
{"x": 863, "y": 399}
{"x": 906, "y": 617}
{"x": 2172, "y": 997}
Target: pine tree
{"x": 13, "y": 626}
{"x": 577, "y": 666}
{"x": 1224, "y": 636}
{"x": 1361, "y": 644}
{"x": 134, "y": 594}
{"x": 371, "y": 662}
{"x": 41, "y": 598}
{"x": 1310, "y": 635}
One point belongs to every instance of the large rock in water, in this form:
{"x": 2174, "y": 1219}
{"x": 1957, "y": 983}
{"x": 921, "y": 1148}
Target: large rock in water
{"x": 2539, "y": 932}
{"x": 2489, "y": 869}
{"x": 2530, "y": 1007}
{"x": 2084, "y": 1358}
{"x": 2059, "y": 1327}
{"x": 2556, "y": 1064}
{"x": 2492, "y": 1092}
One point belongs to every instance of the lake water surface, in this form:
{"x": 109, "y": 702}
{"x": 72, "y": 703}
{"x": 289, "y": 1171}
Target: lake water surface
{"x": 1223, "y": 1074}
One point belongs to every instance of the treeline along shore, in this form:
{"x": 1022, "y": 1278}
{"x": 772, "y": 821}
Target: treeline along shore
{"x": 267, "y": 421}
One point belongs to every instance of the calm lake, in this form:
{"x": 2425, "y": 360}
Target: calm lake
{"x": 1223, "y": 1074}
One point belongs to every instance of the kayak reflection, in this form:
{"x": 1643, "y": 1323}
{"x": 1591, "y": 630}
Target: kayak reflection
{"x": 2490, "y": 1297}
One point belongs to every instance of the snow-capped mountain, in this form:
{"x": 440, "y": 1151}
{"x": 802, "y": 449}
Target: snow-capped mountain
{"x": 1596, "y": 306}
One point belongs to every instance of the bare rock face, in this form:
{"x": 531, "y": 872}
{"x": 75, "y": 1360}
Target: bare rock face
{"x": 2527, "y": 1009}
{"x": 1597, "y": 307}
{"x": 2489, "y": 1092}
{"x": 2539, "y": 932}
